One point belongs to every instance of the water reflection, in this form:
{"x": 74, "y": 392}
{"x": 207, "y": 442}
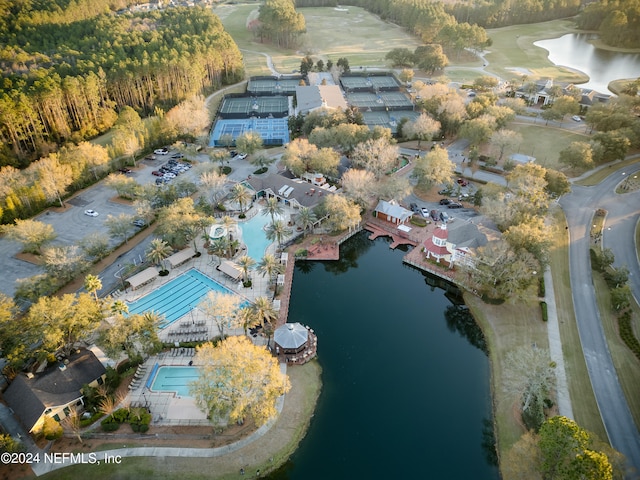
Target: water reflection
{"x": 459, "y": 320}
{"x": 395, "y": 378}
{"x": 574, "y": 51}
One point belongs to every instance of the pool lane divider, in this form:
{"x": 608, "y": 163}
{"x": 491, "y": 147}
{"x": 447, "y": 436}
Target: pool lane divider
{"x": 152, "y": 375}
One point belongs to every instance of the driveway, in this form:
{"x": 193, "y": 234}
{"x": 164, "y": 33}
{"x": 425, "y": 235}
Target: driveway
{"x": 579, "y": 207}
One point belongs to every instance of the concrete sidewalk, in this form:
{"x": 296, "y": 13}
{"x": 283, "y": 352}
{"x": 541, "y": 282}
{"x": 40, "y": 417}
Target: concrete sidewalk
{"x": 555, "y": 348}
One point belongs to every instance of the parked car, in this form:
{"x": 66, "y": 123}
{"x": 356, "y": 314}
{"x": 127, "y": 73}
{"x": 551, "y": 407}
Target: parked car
{"x": 150, "y": 157}
{"x": 233, "y": 153}
{"x": 445, "y": 201}
{"x": 138, "y": 223}
{"x": 91, "y": 213}
{"x": 454, "y": 205}
{"x": 169, "y": 175}
{"x": 434, "y": 215}
{"x": 124, "y": 170}
{"x": 241, "y": 156}
{"x": 576, "y": 118}
{"x": 157, "y": 173}
{"x": 444, "y": 216}
{"x": 161, "y": 151}
{"x": 461, "y": 181}
{"x": 160, "y": 181}
{"x": 177, "y": 155}
{"x": 424, "y": 212}
{"x": 414, "y": 208}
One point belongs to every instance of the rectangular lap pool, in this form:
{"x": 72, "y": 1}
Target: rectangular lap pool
{"x": 177, "y": 297}
{"x": 174, "y": 379}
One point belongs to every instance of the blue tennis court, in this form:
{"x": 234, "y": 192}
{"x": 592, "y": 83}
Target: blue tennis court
{"x": 177, "y": 297}
{"x": 274, "y": 131}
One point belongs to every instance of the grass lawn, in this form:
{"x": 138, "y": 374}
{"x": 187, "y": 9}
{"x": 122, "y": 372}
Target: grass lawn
{"x": 547, "y": 151}
{"x": 359, "y": 36}
{"x": 603, "y": 173}
{"x": 513, "y": 49}
{"x": 516, "y": 323}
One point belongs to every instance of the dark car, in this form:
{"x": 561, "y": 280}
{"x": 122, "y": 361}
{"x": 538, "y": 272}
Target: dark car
{"x": 462, "y": 181}
{"x": 233, "y": 153}
{"x": 435, "y": 215}
{"x": 454, "y": 205}
{"x": 124, "y": 170}
{"x": 414, "y": 208}
{"x": 445, "y": 201}
{"x": 177, "y": 155}
{"x": 157, "y": 173}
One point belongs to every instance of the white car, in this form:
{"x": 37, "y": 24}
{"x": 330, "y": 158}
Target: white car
{"x": 576, "y": 118}
{"x": 169, "y": 175}
{"x": 241, "y": 156}
{"x": 91, "y": 213}
{"x": 161, "y": 151}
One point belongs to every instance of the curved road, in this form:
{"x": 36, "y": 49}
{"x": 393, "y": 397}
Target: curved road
{"x": 619, "y": 236}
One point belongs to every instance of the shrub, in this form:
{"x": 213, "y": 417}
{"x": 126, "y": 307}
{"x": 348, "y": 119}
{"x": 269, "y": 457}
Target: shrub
{"x": 418, "y": 221}
{"x": 260, "y": 171}
{"x": 226, "y": 170}
{"x": 545, "y": 315}
{"x": 541, "y": 288}
{"x": 301, "y": 252}
{"x": 51, "y": 429}
{"x": 627, "y": 334}
{"x": 164, "y": 273}
{"x": 85, "y": 422}
{"x": 121, "y": 415}
{"x": 242, "y": 215}
{"x": 109, "y": 424}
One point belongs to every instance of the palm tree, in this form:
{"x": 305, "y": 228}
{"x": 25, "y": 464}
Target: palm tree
{"x": 246, "y": 262}
{"x": 119, "y": 307}
{"x": 246, "y": 317}
{"x": 263, "y": 311}
{"x": 219, "y": 247}
{"x": 228, "y": 222}
{"x": 92, "y": 284}
{"x": 158, "y": 250}
{"x": 269, "y": 266}
{"x": 277, "y": 231}
{"x": 272, "y": 208}
{"x": 241, "y": 195}
{"x": 306, "y": 219}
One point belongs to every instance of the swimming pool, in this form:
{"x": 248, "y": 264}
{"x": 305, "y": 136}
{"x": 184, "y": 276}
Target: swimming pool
{"x": 254, "y": 236}
{"x": 174, "y": 379}
{"x": 177, "y": 297}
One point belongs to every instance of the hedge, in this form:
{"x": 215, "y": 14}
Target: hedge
{"x": 627, "y": 334}
{"x": 545, "y": 315}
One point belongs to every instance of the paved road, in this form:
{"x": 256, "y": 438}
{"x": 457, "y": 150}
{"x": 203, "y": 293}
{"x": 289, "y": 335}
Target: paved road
{"x": 579, "y": 207}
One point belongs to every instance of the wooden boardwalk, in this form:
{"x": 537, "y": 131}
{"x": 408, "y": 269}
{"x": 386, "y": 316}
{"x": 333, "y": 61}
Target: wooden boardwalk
{"x": 379, "y": 231}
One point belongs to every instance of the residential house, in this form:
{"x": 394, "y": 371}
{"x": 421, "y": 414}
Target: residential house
{"x": 56, "y": 392}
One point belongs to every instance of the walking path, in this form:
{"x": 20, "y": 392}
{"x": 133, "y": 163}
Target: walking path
{"x": 555, "y": 348}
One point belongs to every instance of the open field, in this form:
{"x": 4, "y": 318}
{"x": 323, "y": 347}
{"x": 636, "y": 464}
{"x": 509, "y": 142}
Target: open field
{"x": 359, "y": 36}
{"x": 513, "y": 49}
{"x": 547, "y": 151}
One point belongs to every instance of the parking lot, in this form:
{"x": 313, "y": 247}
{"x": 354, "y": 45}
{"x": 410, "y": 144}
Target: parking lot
{"x": 72, "y": 225}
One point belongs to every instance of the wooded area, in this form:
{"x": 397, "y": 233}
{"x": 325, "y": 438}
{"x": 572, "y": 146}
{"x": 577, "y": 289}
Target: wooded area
{"x": 67, "y": 70}
{"x": 617, "y": 22}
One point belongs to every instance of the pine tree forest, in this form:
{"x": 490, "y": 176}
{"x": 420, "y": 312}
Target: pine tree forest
{"x": 68, "y": 67}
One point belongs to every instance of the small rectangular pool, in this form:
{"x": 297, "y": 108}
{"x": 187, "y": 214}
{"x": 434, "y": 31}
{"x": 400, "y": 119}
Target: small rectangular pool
{"x": 177, "y": 297}
{"x": 174, "y": 379}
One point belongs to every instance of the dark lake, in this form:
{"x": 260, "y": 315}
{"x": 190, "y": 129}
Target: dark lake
{"x": 405, "y": 377}
{"x": 574, "y": 50}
